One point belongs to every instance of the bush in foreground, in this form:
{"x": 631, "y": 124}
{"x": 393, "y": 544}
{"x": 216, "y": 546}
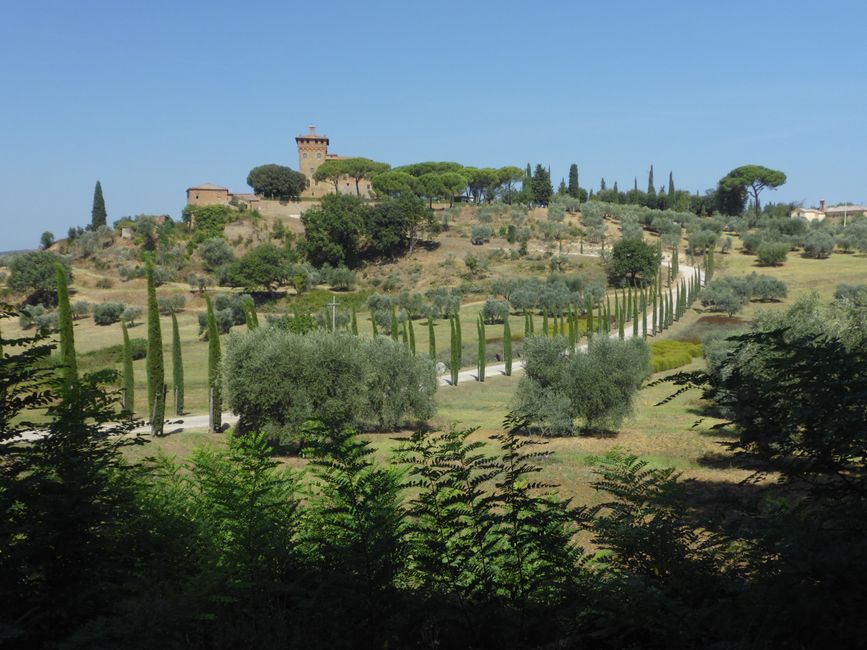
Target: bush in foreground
{"x": 276, "y": 380}
{"x": 561, "y": 388}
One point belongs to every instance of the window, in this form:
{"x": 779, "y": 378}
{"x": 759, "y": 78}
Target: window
{"x": 304, "y": 155}
{"x": 318, "y": 156}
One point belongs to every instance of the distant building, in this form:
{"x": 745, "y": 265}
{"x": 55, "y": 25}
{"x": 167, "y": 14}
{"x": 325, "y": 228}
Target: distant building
{"x": 837, "y": 212}
{"x": 312, "y": 152}
{"x": 207, "y": 194}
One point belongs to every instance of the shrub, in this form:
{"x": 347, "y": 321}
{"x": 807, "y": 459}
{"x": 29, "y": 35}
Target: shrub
{"x": 751, "y": 243}
{"x": 80, "y": 309}
{"x": 818, "y": 245}
{"x": 495, "y": 311}
{"x": 108, "y": 312}
{"x": 104, "y": 283}
{"x": 767, "y": 288}
{"x": 44, "y": 320}
{"x": 722, "y": 297}
{"x": 215, "y": 252}
{"x": 772, "y": 253}
{"x": 481, "y": 233}
{"x": 596, "y": 387}
{"x": 169, "y": 304}
{"x": 670, "y": 354}
{"x": 112, "y": 355}
{"x": 131, "y": 314}
{"x": 276, "y": 380}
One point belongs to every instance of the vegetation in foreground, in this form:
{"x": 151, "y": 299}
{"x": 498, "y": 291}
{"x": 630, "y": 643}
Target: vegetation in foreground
{"x": 446, "y": 545}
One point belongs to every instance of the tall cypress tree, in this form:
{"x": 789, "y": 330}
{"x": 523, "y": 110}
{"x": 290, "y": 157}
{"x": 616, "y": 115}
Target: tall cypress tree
{"x": 651, "y": 189}
{"x": 67, "y": 337}
{"x": 480, "y": 327}
{"x": 177, "y": 366}
{"x": 411, "y": 337}
{"x": 670, "y": 190}
{"x": 431, "y": 339}
{"x": 128, "y": 376}
{"x": 507, "y": 346}
{"x": 156, "y": 373}
{"x": 250, "y": 316}
{"x": 455, "y": 356}
{"x": 354, "y": 322}
{"x": 215, "y": 384}
{"x": 395, "y": 332}
{"x": 98, "y": 215}
{"x": 573, "y": 190}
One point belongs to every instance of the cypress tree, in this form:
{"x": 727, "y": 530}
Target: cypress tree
{"x": 98, "y": 215}
{"x": 404, "y": 335}
{"x": 395, "y": 330}
{"x": 571, "y": 334}
{"x": 178, "y": 366}
{"x": 480, "y": 327}
{"x": 608, "y": 324}
{"x": 621, "y": 324}
{"x": 670, "y": 306}
{"x": 155, "y": 369}
{"x": 411, "y": 338}
{"x": 654, "y": 312}
{"x": 670, "y": 190}
{"x": 373, "y": 325}
{"x": 128, "y": 376}
{"x": 599, "y": 320}
{"x": 215, "y": 384}
{"x": 589, "y": 321}
{"x": 555, "y": 330}
{"x": 431, "y": 339}
{"x": 532, "y": 323}
{"x": 651, "y": 188}
{"x": 354, "y": 322}
{"x": 455, "y": 359}
{"x": 635, "y": 319}
{"x": 507, "y": 346}
{"x": 67, "y": 337}
{"x": 675, "y": 264}
{"x": 573, "y": 189}
{"x": 544, "y": 323}
{"x": 250, "y": 317}
{"x": 460, "y": 337}
{"x": 644, "y": 312}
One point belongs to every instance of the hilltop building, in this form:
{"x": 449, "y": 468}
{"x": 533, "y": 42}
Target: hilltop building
{"x": 842, "y": 213}
{"x": 312, "y": 152}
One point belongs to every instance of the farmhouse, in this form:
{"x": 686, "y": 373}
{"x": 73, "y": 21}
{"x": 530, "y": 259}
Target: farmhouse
{"x": 842, "y": 213}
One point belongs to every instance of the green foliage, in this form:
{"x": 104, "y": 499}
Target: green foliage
{"x": 215, "y": 252}
{"x": 33, "y": 273}
{"x": 541, "y": 186}
{"x": 265, "y": 266}
{"x": 98, "y": 214}
{"x": 67, "y": 338}
{"x": 669, "y": 354}
{"x": 495, "y": 311}
{"x": 215, "y": 379}
{"x": 128, "y": 375}
{"x": 818, "y": 245}
{"x": 277, "y": 182}
{"x": 155, "y": 371}
{"x": 752, "y": 179}
{"x": 771, "y": 253}
{"x": 107, "y": 313}
{"x": 207, "y": 221}
{"x": 177, "y": 367}
{"x": 332, "y": 231}
{"x": 46, "y": 241}
{"x": 561, "y": 386}
{"x": 276, "y": 380}
{"x": 634, "y": 259}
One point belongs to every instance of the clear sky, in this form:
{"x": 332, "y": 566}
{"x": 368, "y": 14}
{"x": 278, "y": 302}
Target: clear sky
{"x": 152, "y": 97}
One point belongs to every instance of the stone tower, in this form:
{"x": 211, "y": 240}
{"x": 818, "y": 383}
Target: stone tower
{"x": 312, "y": 151}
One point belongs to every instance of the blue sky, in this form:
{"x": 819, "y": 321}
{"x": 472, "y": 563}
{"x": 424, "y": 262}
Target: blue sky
{"x": 151, "y": 98}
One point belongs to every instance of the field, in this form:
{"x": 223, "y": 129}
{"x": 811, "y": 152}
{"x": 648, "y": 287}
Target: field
{"x": 674, "y": 435}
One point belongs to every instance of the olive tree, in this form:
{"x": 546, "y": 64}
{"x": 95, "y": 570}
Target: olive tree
{"x": 596, "y": 387}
